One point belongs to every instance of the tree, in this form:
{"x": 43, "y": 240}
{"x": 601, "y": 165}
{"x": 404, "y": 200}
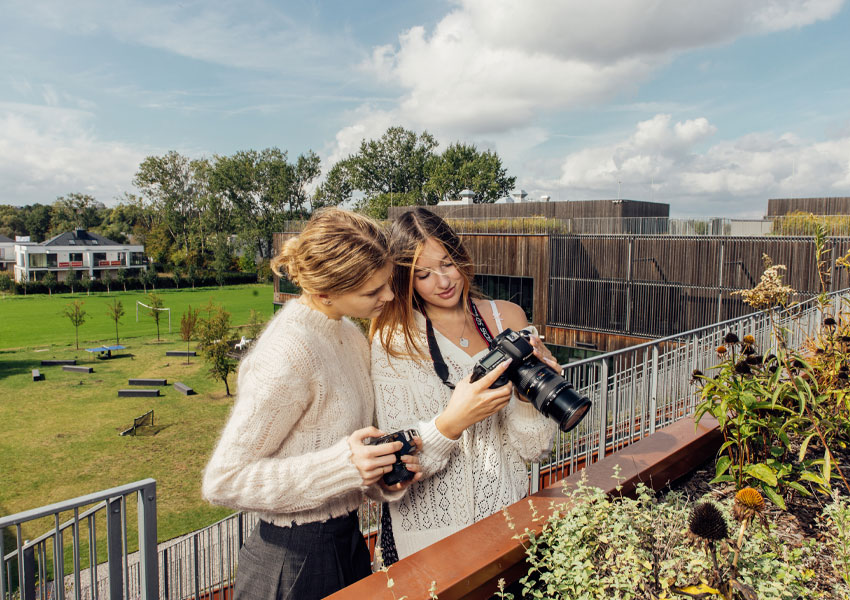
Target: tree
{"x": 148, "y": 278}
{"x": 222, "y": 258}
{"x": 70, "y": 277}
{"x": 5, "y": 282}
{"x": 121, "y": 278}
{"x": 337, "y": 187}
{"x": 176, "y": 274}
{"x": 115, "y": 310}
{"x": 255, "y": 324}
{"x": 394, "y": 164}
{"x": 50, "y": 282}
{"x": 191, "y": 274}
{"x": 462, "y": 166}
{"x": 86, "y": 282}
{"x": 172, "y": 184}
{"x": 76, "y": 210}
{"x": 75, "y": 313}
{"x": 188, "y": 325}
{"x": 214, "y": 331}
{"x": 154, "y": 310}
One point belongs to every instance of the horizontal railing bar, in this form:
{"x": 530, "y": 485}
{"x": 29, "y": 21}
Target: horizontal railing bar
{"x": 57, "y": 507}
{"x": 64, "y": 526}
{"x": 704, "y": 328}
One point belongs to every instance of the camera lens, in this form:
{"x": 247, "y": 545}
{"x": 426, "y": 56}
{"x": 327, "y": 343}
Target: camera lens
{"x": 551, "y": 394}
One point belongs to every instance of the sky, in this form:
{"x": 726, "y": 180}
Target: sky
{"x": 711, "y": 107}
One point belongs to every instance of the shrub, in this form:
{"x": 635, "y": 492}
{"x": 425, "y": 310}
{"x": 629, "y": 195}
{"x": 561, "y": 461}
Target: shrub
{"x": 601, "y": 547}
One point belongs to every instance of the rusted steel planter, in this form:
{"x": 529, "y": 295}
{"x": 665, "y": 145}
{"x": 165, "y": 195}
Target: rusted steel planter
{"x": 469, "y": 563}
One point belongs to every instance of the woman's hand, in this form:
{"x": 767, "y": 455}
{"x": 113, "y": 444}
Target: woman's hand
{"x": 373, "y": 462}
{"x": 411, "y": 463}
{"x": 472, "y": 402}
{"x": 543, "y": 353}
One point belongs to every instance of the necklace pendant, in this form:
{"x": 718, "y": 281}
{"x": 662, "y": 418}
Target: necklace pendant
{"x": 464, "y": 342}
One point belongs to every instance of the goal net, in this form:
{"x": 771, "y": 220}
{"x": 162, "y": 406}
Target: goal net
{"x": 138, "y": 304}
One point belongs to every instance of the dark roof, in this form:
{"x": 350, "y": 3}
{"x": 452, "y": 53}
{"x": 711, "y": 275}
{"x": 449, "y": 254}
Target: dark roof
{"x": 80, "y": 237}
{"x": 4, "y": 239}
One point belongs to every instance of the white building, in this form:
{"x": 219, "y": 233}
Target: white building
{"x": 78, "y": 253}
{"x": 7, "y": 253}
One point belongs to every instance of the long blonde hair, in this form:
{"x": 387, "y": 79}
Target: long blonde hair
{"x": 337, "y": 252}
{"x": 408, "y": 236}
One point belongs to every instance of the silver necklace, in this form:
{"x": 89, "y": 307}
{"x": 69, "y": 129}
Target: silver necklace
{"x": 464, "y": 343}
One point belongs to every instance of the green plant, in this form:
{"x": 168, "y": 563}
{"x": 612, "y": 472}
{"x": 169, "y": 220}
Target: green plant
{"x": 214, "y": 330}
{"x": 75, "y": 313}
{"x": 188, "y": 325}
{"x": 5, "y": 282}
{"x": 837, "y": 538}
{"x": 777, "y": 408}
{"x": 255, "y": 324}
{"x": 595, "y": 546}
{"x": 155, "y": 309}
{"x": 115, "y": 310}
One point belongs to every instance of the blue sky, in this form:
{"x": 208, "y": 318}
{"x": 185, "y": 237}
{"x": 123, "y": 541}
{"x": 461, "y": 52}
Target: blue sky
{"x": 712, "y": 107}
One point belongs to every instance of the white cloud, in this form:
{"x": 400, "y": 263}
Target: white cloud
{"x": 666, "y": 162}
{"x": 492, "y": 65}
{"x": 46, "y": 152}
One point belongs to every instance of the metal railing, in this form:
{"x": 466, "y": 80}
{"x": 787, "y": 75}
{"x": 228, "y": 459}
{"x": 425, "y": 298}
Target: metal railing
{"x": 637, "y": 390}
{"x": 788, "y": 225}
{"x": 634, "y": 392}
{"x": 39, "y": 564}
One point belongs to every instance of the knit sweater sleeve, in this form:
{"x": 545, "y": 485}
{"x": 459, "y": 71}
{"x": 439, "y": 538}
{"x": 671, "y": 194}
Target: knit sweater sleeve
{"x": 529, "y": 432}
{"x": 247, "y": 470}
{"x": 397, "y": 407}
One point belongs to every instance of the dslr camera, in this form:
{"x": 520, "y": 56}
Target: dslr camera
{"x": 399, "y": 472}
{"x": 550, "y": 393}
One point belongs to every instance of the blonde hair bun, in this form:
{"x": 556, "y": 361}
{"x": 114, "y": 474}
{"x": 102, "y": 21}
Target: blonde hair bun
{"x": 337, "y": 252}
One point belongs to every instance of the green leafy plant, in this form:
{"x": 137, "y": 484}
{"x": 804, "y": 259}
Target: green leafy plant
{"x": 596, "y": 546}
{"x": 837, "y": 538}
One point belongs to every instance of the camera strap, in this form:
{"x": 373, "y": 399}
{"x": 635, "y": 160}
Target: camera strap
{"x": 440, "y": 366}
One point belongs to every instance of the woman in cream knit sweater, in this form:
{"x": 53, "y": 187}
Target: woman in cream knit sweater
{"x": 475, "y": 446}
{"x": 293, "y": 449}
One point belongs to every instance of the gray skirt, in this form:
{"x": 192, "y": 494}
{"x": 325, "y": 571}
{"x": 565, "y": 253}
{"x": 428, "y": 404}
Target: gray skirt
{"x": 301, "y": 562}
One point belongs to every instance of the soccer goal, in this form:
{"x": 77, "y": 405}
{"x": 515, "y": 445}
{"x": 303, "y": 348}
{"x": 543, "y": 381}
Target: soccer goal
{"x": 138, "y": 304}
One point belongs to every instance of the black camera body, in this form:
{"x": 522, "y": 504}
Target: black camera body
{"x": 399, "y": 472}
{"x": 550, "y": 393}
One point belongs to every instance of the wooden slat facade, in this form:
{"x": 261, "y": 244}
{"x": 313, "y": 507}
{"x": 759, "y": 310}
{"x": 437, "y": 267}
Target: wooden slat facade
{"x": 818, "y": 206}
{"x": 550, "y": 210}
{"x": 607, "y": 292}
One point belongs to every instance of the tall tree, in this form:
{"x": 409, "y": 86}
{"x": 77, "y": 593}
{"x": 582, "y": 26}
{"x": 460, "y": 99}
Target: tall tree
{"x": 463, "y": 166}
{"x": 75, "y": 313}
{"x": 115, "y": 310}
{"x": 76, "y": 210}
{"x": 337, "y": 187}
{"x": 393, "y": 164}
{"x": 170, "y": 184}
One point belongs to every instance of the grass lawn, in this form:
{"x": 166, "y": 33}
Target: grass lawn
{"x": 37, "y": 320}
{"x": 59, "y": 437}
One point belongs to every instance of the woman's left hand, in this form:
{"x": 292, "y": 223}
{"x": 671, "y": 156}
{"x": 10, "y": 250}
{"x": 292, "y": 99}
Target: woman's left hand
{"x": 411, "y": 463}
{"x": 545, "y": 356}
{"x": 543, "y": 353}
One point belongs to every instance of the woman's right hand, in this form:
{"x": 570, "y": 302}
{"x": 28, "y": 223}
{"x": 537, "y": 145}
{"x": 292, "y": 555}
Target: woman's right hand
{"x": 472, "y": 402}
{"x": 373, "y": 462}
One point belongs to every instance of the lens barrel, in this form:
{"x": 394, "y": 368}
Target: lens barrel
{"x": 551, "y": 394}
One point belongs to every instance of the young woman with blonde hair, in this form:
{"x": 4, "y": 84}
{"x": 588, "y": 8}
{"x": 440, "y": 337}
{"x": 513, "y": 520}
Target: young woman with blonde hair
{"x": 293, "y": 448}
{"x": 476, "y": 440}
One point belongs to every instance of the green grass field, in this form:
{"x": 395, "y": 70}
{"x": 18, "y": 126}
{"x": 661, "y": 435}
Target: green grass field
{"x": 59, "y": 437}
{"x": 37, "y": 320}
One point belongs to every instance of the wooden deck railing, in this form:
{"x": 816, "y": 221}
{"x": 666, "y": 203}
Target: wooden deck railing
{"x": 468, "y": 564}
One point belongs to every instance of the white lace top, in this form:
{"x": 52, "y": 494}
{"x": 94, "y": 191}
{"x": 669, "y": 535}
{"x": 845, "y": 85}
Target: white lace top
{"x": 466, "y": 479}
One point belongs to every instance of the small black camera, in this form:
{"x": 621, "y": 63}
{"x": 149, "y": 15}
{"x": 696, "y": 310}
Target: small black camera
{"x": 550, "y": 393}
{"x": 399, "y": 472}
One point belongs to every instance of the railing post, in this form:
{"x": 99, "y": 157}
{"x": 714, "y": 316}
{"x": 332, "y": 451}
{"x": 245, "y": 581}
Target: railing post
{"x": 148, "y": 573}
{"x": 603, "y": 409}
{"x": 58, "y": 560}
{"x": 653, "y": 389}
{"x": 165, "y": 591}
{"x": 197, "y": 566}
{"x": 534, "y": 474}
{"x": 114, "y": 548}
{"x": 28, "y": 578}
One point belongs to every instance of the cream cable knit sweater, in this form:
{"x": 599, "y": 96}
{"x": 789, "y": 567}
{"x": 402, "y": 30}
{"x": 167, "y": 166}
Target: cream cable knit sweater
{"x": 303, "y": 389}
{"x": 467, "y": 479}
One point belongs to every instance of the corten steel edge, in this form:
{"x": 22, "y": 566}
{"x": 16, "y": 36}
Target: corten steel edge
{"x": 468, "y": 564}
